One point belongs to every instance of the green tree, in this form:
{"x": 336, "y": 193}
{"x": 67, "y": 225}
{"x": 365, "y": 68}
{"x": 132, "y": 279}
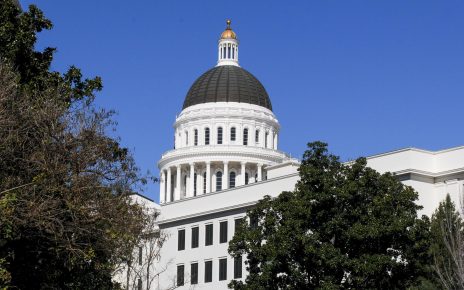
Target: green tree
{"x": 345, "y": 226}
{"x": 66, "y": 220}
{"x": 447, "y": 247}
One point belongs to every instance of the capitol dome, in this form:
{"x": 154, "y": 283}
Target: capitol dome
{"x": 227, "y": 83}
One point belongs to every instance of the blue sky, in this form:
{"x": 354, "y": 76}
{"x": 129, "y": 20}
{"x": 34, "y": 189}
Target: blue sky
{"x": 364, "y": 76}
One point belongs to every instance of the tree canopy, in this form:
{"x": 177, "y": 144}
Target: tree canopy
{"x": 345, "y": 226}
{"x": 66, "y": 220}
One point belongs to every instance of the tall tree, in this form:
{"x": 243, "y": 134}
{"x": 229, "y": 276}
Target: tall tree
{"x": 447, "y": 247}
{"x": 345, "y": 226}
{"x": 65, "y": 217}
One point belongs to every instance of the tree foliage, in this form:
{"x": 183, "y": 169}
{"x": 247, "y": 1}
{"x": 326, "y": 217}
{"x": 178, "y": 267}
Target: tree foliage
{"x": 65, "y": 216}
{"x": 447, "y": 247}
{"x": 345, "y": 226}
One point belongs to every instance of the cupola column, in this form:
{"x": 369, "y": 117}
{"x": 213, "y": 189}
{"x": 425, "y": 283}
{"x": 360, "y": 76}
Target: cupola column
{"x": 260, "y": 172}
{"x": 169, "y": 189}
{"x": 178, "y": 178}
{"x": 208, "y": 177}
{"x": 225, "y": 176}
{"x": 242, "y": 173}
{"x": 162, "y": 187}
{"x": 191, "y": 180}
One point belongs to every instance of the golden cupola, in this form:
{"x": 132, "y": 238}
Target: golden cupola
{"x": 228, "y": 47}
{"x": 228, "y": 33}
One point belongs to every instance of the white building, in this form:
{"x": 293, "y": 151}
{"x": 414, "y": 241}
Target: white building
{"x": 226, "y": 158}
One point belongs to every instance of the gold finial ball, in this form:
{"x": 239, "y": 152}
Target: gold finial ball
{"x": 228, "y": 33}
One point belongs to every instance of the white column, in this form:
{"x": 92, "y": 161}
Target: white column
{"x": 162, "y": 187}
{"x": 168, "y": 193}
{"x": 192, "y": 176}
{"x": 242, "y": 173}
{"x": 178, "y": 179}
{"x": 260, "y": 171}
{"x": 225, "y": 176}
{"x": 271, "y": 137}
{"x": 276, "y": 138}
{"x": 208, "y": 177}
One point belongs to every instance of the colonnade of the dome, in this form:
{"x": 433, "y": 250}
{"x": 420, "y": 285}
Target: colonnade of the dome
{"x": 196, "y": 178}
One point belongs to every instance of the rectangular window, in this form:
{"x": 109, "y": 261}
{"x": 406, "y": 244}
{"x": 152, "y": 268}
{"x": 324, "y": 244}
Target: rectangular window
{"x": 180, "y": 275}
{"x": 194, "y": 273}
{"x": 254, "y": 222}
{"x": 237, "y": 223}
{"x": 207, "y": 136}
{"x": 181, "y": 240}
{"x": 232, "y": 134}
{"x": 140, "y": 255}
{"x": 257, "y": 136}
{"x": 195, "y": 184}
{"x": 195, "y": 137}
{"x": 223, "y": 232}
{"x": 208, "y": 271}
{"x": 209, "y": 235}
{"x": 219, "y": 135}
{"x": 245, "y": 136}
{"x": 222, "y": 269}
{"x": 204, "y": 182}
{"x": 195, "y": 237}
{"x": 238, "y": 267}
{"x": 139, "y": 284}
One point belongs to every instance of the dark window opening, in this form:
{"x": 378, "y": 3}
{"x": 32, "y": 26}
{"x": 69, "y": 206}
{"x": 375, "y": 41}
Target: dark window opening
{"x": 204, "y": 182}
{"x": 218, "y": 181}
{"x": 208, "y": 271}
{"x": 232, "y": 134}
{"x": 257, "y": 136}
{"x": 180, "y": 275}
{"x": 247, "y": 178}
{"x": 219, "y": 135}
{"x": 194, "y": 184}
{"x": 222, "y": 269}
{"x": 181, "y": 240}
{"x": 195, "y": 237}
{"x": 245, "y": 136}
{"x": 223, "y": 232}
{"x": 238, "y": 267}
{"x": 209, "y": 235}
{"x": 194, "y": 273}
{"x": 206, "y": 136}
{"x": 195, "y": 137}
{"x": 232, "y": 179}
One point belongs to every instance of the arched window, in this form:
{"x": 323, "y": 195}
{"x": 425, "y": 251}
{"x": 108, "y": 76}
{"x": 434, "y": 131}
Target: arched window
{"x": 224, "y": 54}
{"x": 233, "y": 51}
{"x": 245, "y": 136}
{"x": 186, "y": 138}
{"x": 195, "y": 137}
{"x": 195, "y": 184}
{"x": 204, "y": 182}
{"x": 218, "y": 181}
{"x": 231, "y": 179}
{"x": 247, "y": 178}
{"x": 228, "y": 52}
{"x": 219, "y": 135}
{"x": 257, "y": 136}
{"x": 206, "y": 136}
{"x": 232, "y": 134}
{"x": 265, "y": 139}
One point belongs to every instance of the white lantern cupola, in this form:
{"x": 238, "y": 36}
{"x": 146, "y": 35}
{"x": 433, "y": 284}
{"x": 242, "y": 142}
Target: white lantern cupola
{"x": 228, "y": 47}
